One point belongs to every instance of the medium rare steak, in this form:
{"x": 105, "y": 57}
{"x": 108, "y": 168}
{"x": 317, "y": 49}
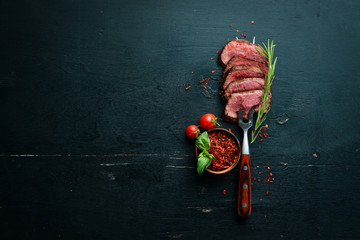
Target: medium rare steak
{"x": 241, "y": 61}
{"x": 243, "y": 101}
{"x": 240, "y": 72}
{"x": 241, "y": 48}
{"x": 245, "y": 84}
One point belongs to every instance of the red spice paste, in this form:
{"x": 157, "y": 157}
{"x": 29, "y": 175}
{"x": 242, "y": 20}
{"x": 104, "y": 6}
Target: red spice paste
{"x": 225, "y": 150}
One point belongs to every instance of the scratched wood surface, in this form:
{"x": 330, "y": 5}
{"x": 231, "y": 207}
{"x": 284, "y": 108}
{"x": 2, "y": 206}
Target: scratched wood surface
{"x": 93, "y": 112}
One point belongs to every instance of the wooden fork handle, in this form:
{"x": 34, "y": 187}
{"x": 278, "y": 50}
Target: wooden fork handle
{"x": 244, "y": 187}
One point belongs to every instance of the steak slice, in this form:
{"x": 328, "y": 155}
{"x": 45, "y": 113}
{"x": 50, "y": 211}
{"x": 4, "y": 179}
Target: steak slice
{"x": 245, "y": 84}
{"x": 240, "y": 72}
{"x": 243, "y": 101}
{"x": 240, "y": 47}
{"x": 241, "y": 61}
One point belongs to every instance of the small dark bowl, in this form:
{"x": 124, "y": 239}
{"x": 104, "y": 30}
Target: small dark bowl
{"x": 197, "y": 151}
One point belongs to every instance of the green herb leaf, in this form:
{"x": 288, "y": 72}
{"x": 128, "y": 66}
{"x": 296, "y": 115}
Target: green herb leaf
{"x": 204, "y": 161}
{"x": 268, "y": 52}
{"x": 203, "y": 141}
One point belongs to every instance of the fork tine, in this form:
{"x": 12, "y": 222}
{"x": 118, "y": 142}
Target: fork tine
{"x": 251, "y": 113}
{"x": 250, "y": 116}
{"x": 240, "y": 116}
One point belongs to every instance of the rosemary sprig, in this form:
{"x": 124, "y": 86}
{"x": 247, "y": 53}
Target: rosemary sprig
{"x": 264, "y": 108}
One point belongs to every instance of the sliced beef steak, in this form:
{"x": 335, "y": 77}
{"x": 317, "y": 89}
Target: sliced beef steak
{"x": 240, "y": 72}
{"x": 241, "y": 61}
{"x": 245, "y": 84}
{"x": 243, "y": 101}
{"x": 241, "y": 48}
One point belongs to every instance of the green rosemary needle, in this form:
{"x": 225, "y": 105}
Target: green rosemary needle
{"x": 264, "y": 107}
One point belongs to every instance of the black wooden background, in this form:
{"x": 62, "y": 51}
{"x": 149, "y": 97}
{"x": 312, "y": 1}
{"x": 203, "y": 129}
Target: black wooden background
{"x": 94, "y": 109}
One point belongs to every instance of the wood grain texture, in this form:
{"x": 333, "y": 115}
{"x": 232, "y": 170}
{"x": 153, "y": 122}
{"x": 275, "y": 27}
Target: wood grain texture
{"x": 94, "y": 110}
{"x": 243, "y": 204}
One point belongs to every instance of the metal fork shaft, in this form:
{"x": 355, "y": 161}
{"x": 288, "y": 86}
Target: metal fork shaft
{"x": 245, "y": 143}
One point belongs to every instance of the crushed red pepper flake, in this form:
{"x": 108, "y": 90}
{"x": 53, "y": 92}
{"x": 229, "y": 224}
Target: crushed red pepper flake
{"x": 252, "y": 22}
{"x": 207, "y": 80}
{"x": 187, "y": 88}
{"x": 212, "y": 71}
{"x": 267, "y": 193}
{"x": 237, "y": 30}
{"x": 230, "y": 25}
{"x": 244, "y": 35}
{"x": 225, "y": 150}
{"x": 224, "y": 191}
{"x": 259, "y": 180}
{"x": 212, "y": 58}
{"x": 217, "y": 52}
{"x": 261, "y": 139}
{"x": 270, "y": 174}
{"x": 202, "y": 80}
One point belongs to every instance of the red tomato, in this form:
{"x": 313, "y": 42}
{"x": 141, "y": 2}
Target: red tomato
{"x": 208, "y": 121}
{"x": 192, "y": 132}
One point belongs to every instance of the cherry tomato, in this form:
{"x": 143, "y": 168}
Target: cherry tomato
{"x": 208, "y": 121}
{"x": 192, "y": 132}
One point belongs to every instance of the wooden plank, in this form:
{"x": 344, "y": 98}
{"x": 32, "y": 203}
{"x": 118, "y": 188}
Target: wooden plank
{"x": 87, "y": 85}
{"x": 162, "y": 196}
